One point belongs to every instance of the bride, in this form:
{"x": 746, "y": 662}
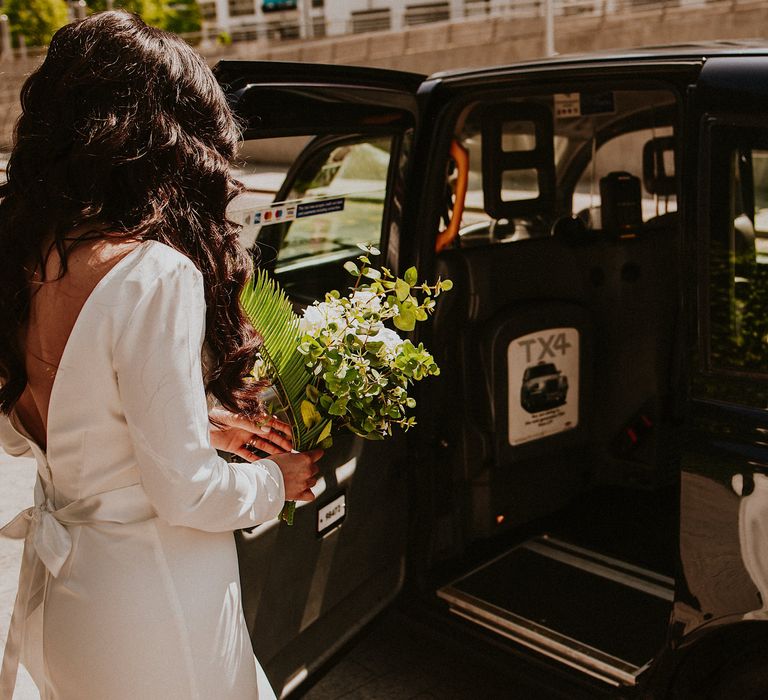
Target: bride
{"x": 118, "y": 270}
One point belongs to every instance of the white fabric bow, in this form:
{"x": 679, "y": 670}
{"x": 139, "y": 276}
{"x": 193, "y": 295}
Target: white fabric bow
{"x": 47, "y": 546}
{"x": 49, "y": 538}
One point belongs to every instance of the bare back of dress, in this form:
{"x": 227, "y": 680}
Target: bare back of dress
{"x": 54, "y": 309}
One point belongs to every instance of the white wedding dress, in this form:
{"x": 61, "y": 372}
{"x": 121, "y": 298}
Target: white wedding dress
{"x": 129, "y": 587}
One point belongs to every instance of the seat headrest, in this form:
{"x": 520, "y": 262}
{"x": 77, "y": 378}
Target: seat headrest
{"x": 659, "y": 166}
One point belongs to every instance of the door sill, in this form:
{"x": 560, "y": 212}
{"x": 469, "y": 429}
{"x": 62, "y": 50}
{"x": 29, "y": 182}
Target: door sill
{"x": 602, "y": 616}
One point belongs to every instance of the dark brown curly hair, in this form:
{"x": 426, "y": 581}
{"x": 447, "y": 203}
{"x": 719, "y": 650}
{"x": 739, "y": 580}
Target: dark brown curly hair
{"x": 124, "y": 132}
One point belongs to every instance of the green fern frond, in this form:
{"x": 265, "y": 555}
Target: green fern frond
{"x": 272, "y": 315}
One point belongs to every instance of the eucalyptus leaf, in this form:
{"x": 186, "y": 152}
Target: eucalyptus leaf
{"x": 402, "y": 289}
{"x": 405, "y": 320}
{"x": 338, "y": 407}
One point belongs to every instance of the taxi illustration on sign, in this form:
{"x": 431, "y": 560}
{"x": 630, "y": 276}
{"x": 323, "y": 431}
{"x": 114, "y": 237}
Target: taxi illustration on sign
{"x": 544, "y": 387}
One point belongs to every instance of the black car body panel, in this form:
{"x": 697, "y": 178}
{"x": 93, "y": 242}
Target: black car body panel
{"x": 656, "y": 475}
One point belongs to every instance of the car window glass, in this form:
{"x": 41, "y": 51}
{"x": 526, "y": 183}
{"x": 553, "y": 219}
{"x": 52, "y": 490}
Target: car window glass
{"x": 621, "y": 141}
{"x": 261, "y": 165}
{"x": 738, "y": 250}
{"x": 624, "y": 153}
{"x": 760, "y": 167}
{"x": 335, "y": 202}
{"x": 519, "y": 185}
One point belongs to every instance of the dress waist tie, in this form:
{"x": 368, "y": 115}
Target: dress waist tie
{"x": 47, "y": 545}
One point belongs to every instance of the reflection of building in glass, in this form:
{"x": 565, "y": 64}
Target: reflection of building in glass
{"x": 753, "y": 536}
{"x": 245, "y": 20}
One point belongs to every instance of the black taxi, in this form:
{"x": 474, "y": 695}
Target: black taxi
{"x": 605, "y": 215}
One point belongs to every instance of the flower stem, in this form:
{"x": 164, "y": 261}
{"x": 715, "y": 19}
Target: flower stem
{"x": 288, "y": 511}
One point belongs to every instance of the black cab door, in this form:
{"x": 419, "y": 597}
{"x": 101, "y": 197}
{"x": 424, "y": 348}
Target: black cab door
{"x": 723, "y": 589}
{"x": 324, "y": 159}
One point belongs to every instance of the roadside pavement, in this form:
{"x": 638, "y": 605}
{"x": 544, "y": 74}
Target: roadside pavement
{"x": 17, "y": 478}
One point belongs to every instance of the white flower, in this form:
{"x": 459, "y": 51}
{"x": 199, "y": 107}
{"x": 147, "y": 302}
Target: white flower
{"x": 367, "y": 299}
{"x": 319, "y": 316}
{"x": 392, "y": 341}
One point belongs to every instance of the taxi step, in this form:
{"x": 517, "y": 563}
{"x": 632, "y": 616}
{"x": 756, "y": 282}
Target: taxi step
{"x": 602, "y": 616}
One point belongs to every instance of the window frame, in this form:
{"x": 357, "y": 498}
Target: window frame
{"x": 391, "y": 221}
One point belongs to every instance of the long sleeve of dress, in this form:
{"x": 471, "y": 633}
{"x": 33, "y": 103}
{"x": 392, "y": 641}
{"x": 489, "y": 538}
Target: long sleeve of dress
{"x": 158, "y": 365}
{"x": 10, "y": 441}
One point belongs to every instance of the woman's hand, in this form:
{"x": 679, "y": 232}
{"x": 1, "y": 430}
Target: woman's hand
{"x": 300, "y": 473}
{"x": 241, "y": 436}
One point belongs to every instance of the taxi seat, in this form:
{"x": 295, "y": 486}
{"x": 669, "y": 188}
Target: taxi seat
{"x": 621, "y": 296}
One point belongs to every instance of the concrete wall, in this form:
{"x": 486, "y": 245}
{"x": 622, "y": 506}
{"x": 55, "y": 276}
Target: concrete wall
{"x": 12, "y": 76}
{"x": 487, "y": 41}
{"x": 475, "y": 42}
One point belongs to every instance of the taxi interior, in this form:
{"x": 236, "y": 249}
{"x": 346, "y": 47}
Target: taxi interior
{"x": 550, "y": 453}
{"x": 567, "y": 260}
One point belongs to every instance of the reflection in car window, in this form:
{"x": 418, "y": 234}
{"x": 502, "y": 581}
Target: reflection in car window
{"x": 760, "y": 166}
{"x": 348, "y": 189}
{"x": 738, "y": 261}
{"x": 336, "y": 200}
{"x": 261, "y": 166}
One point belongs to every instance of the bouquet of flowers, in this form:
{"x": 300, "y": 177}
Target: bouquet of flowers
{"x": 340, "y": 366}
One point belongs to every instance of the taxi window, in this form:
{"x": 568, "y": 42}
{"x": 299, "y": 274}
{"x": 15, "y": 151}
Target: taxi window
{"x": 738, "y": 249}
{"x": 626, "y": 153}
{"x": 331, "y": 202}
{"x": 519, "y": 187}
{"x": 344, "y": 199}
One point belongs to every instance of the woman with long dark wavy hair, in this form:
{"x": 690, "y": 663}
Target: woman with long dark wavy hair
{"x": 120, "y": 278}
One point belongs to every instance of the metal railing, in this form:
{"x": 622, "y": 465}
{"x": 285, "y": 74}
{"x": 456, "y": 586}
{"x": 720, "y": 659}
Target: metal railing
{"x": 287, "y": 25}
{"x": 276, "y": 37}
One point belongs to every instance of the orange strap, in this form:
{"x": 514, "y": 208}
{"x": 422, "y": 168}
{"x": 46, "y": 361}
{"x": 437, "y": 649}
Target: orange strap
{"x": 461, "y": 156}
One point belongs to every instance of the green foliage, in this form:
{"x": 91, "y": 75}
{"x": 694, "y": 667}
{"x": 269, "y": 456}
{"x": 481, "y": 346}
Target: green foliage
{"x": 339, "y": 365}
{"x": 183, "y": 17}
{"x": 178, "y": 16}
{"x": 38, "y": 20}
{"x": 271, "y": 313}
{"x": 35, "y": 20}
{"x": 362, "y": 368}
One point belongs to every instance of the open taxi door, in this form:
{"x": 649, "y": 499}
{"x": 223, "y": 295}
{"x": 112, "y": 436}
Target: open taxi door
{"x": 324, "y": 161}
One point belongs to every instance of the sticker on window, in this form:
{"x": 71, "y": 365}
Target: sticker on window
{"x": 583, "y": 104}
{"x": 322, "y": 206}
{"x": 543, "y": 394}
{"x": 278, "y": 213}
{"x": 567, "y": 105}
